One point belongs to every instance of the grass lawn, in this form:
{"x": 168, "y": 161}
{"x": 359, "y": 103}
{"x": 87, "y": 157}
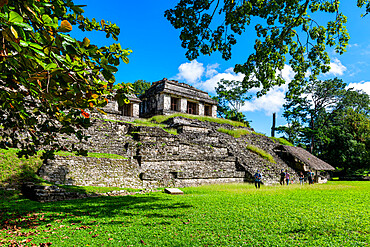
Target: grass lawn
{"x": 333, "y": 214}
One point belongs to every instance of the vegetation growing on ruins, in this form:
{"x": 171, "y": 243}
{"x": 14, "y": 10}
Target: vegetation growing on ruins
{"x": 261, "y": 153}
{"x": 162, "y": 118}
{"x": 93, "y": 155}
{"x": 333, "y": 214}
{"x": 15, "y": 170}
{"x": 282, "y": 141}
{"x": 234, "y": 132}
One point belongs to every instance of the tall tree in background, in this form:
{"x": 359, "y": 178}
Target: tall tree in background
{"x": 345, "y": 139}
{"x": 332, "y": 122}
{"x": 231, "y": 98}
{"x": 140, "y": 86}
{"x": 48, "y": 78}
{"x": 308, "y": 108}
{"x": 137, "y": 88}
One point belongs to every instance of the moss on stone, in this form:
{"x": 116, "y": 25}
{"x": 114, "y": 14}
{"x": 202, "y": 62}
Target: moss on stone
{"x": 235, "y": 132}
{"x": 93, "y": 155}
{"x": 261, "y": 153}
{"x": 282, "y": 141}
{"x": 162, "y": 118}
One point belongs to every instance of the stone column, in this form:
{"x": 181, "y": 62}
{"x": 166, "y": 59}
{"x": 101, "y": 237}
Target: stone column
{"x": 214, "y": 111}
{"x": 166, "y": 102}
{"x": 135, "y": 109}
{"x": 183, "y": 105}
{"x": 201, "y": 109}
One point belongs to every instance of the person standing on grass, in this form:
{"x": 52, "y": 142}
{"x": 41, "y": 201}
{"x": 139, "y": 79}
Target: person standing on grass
{"x": 282, "y": 177}
{"x": 313, "y": 177}
{"x": 301, "y": 178}
{"x": 287, "y": 177}
{"x": 309, "y": 175}
{"x": 257, "y": 179}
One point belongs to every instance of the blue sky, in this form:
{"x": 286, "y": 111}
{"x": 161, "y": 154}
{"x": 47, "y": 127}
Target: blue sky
{"x": 157, "y": 53}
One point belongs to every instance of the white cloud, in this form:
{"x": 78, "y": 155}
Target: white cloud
{"x": 365, "y": 86}
{"x": 211, "y": 70}
{"x": 190, "y": 72}
{"x": 336, "y": 68}
{"x": 287, "y": 73}
{"x": 210, "y": 84}
{"x": 353, "y": 45}
{"x": 273, "y": 101}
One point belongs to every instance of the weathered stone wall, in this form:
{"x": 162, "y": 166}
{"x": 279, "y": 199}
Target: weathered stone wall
{"x": 88, "y": 171}
{"x": 197, "y": 155}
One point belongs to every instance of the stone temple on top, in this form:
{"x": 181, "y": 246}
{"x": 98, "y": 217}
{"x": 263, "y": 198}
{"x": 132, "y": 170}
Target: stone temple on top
{"x": 166, "y": 97}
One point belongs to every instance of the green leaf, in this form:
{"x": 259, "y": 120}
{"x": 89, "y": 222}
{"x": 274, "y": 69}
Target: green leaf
{"x": 51, "y": 66}
{"x": 16, "y": 46}
{"x": 38, "y": 52}
{"x": 34, "y": 45}
{"x": 67, "y": 38}
{"x": 15, "y": 17}
{"x": 22, "y": 43}
{"x": 25, "y": 26}
{"x": 14, "y": 32}
{"x": 46, "y": 19}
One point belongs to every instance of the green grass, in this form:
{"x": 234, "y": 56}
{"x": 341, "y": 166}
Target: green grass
{"x": 149, "y": 123}
{"x": 282, "y": 141}
{"x": 93, "y": 189}
{"x": 162, "y": 118}
{"x": 235, "y": 132}
{"x": 334, "y": 214}
{"x": 261, "y": 153}
{"x": 93, "y": 155}
{"x": 14, "y": 169}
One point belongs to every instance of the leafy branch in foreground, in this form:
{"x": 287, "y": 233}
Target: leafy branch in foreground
{"x": 287, "y": 31}
{"x": 47, "y": 78}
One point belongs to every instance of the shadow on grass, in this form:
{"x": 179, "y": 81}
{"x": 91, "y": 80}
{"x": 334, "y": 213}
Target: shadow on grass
{"x": 30, "y": 214}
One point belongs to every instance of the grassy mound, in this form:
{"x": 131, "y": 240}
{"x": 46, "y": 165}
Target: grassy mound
{"x": 282, "y": 141}
{"x": 235, "y": 132}
{"x": 261, "y": 153}
{"x": 162, "y": 118}
{"x": 14, "y": 170}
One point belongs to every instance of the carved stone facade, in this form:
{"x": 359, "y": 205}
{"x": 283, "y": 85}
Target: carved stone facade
{"x": 168, "y": 97}
{"x": 131, "y": 109}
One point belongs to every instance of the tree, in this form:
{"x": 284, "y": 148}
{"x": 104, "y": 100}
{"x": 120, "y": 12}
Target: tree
{"x": 346, "y": 138}
{"x": 47, "y": 78}
{"x": 307, "y": 109}
{"x": 285, "y": 31}
{"x": 230, "y": 99}
{"x": 332, "y": 122}
{"x": 138, "y": 87}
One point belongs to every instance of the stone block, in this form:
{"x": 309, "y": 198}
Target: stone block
{"x": 173, "y": 191}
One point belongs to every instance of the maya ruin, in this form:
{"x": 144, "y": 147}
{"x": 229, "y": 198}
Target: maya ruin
{"x": 198, "y": 154}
